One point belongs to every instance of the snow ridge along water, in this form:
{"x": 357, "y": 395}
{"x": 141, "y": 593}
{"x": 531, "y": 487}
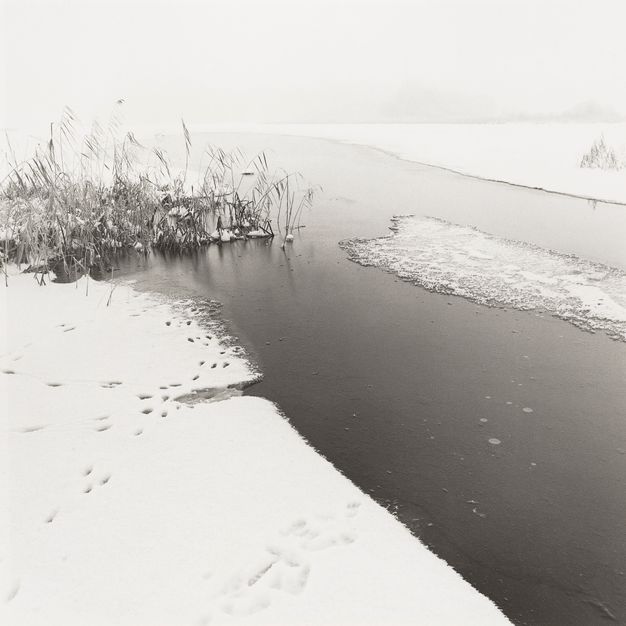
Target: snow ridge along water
{"x": 463, "y": 261}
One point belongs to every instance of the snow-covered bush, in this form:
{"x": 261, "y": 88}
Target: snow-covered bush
{"x": 601, "y": 156}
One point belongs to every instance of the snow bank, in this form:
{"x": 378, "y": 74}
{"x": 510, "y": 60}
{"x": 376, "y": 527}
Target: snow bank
{"x": 534, "y": 155}
{"x": 124, "y": 507}
{"x": 464, "y": 261}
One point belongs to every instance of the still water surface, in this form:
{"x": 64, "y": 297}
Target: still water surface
{"x": 406, "y": 391}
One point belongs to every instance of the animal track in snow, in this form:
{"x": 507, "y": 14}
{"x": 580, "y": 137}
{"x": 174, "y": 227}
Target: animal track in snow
{"x": 33, "y": 429}
{"x": 111, "y": 384}
{"x": 144, "y": 396}
{"x": 13, "y": 592}
{"x": 104, "y": 427}
{"x": 285, "y": 565}
{"x": 352, "y": 508}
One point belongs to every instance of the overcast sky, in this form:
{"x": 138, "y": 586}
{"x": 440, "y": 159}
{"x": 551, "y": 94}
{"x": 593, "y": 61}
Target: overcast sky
{"x": 310, "y": 60}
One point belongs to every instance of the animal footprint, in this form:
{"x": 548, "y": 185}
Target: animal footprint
{"x": 13, "y": 592}
{"x": 352, "y": 508}
{"x": 323, "y": 532}
{"x": 283, "y": 568}
{"x": 293, "y": 580}
{"x": 105, "y": 479}
{"x": 32, "y": 429}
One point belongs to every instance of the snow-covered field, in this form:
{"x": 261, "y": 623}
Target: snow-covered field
{"x": 542, "y": 155}
{"x": 122, "y": 506}
{"x": 535, "y": 155}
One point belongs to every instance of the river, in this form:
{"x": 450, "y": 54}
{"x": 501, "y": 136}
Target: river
{"x": 402, "y": 389}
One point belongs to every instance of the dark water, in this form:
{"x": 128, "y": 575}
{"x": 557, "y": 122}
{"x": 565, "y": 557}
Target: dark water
{"x": 391, "y": 382}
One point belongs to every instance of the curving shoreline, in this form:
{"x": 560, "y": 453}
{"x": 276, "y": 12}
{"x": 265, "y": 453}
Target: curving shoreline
{"x": 127, "y": 507}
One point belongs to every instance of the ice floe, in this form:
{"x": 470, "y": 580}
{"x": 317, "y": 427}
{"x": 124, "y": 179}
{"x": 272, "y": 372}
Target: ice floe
{"x": 461, "y": 260}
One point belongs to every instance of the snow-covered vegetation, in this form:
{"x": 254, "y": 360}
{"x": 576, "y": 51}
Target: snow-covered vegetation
{"x": 81, "y": 198}
{"x": 602, "y": 157}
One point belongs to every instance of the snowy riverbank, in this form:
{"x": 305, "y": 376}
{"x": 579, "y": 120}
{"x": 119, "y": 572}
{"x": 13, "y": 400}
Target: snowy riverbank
{"x": 545, "y": 155}
{"x": 123, "y": 506}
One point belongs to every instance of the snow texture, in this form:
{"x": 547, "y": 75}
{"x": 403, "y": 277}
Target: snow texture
{"x": 121, "y": 506}
{"x": 463, "y": 261}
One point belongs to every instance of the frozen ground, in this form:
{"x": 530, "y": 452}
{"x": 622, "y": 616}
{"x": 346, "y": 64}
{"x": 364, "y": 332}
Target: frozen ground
{"x": 121, "y": 506}
{"x": 464, "y": 261}
{"x": 535, "y": 155}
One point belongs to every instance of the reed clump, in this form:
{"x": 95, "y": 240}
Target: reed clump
{"x": 76, "y": 203}
{"x": 601, "y": 156}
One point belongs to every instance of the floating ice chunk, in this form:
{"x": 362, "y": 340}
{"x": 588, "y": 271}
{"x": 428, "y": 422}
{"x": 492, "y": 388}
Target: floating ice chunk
{"x": 460, "y": 260}
{"x": 494, "y": 442}
{"x": 527, "y": 409}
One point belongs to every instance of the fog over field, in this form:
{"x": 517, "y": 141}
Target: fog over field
{"x": 314, "y": 60}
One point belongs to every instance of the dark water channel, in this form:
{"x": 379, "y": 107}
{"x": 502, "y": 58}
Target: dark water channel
{"x": 401, "y": 389}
